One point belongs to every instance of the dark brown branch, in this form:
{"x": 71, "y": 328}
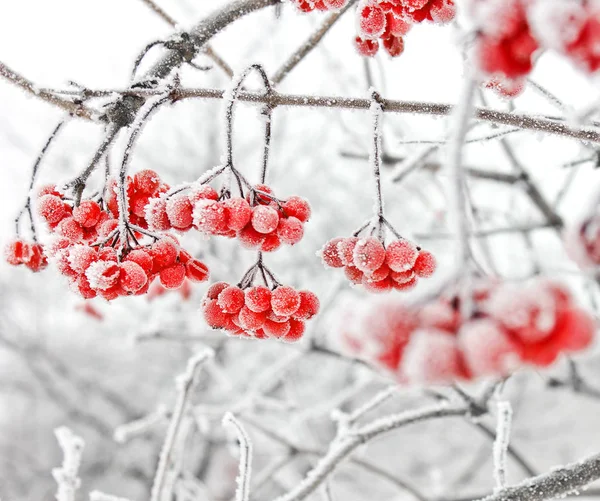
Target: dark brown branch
{"x": 76, "y": 109}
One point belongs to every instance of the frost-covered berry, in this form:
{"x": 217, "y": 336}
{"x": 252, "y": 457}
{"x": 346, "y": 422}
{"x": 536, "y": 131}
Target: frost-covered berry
{"x": 425, "y": 264}
{"x": 258, "y": 298}
{"x": 107, "y": 254}
{"x": 146, "y": 181}
{"x": 366, "y": 47}
{"x": 378, "y": 287}
{"x": 142, "y": 258}
{"x": 353, "y": 274}
{"x": 370, "y": 19}
{"x": 210, "y": 217}
{"x": 276, "y": 330}
{"x": 290, "y": 230}
{"x": 81, "y": 257}
{"x": 215, "y": 289}
{"x": 346, "y": 250}
{"x": 380, "y": 273}
{"x": 335, "y": 4}
{"x": 37, "y": 260}
{"x": 309, "y": 306}
{"x": 239, "y": 213}
{"x": 369, "y": 254}
{"x": 172, "y": 277}
{"x": 271, "y": 243}
{"x": 107, "y": 227}
{"x": 402, "y": 277}
{"x": 297, "y": 328}
{"x": 51, "y": 208}
{"x": 297, "y": 207}
{"x": 264, "y": 219}
{"x": 251, "y": 320}
{"x": 164, "y": 253}
{"x": 250, "y": 238}
{"x": 87, "y": 214}
{"x": 404, "y": 286}
{"x": 102, "y": 275}
{"x": 330, "y": 255}
{"x": 83, "y": 287}
{"x": 156, "y": 214}
{"x": 71, "y": 229}
{"x": 285, "y": 300}
{"x": 132, "y": 277}
{"x": 231, "y": 299}
{"x": 401, "y": 255}
{"x": 179, "y": 211}
{"x": 213, "y": 315}
{"x": 196, "y": 270}
{"x": 17, "y": 252}
{"x": 393, "y": 45}
{"x": 260, "y": 190}
{"x": 396, "y": 26}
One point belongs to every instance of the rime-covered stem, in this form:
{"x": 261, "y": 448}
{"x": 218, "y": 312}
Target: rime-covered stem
{"x": 67, "y": 476}
{"x": 230, "y": 100}
{"x": 557, "y": 483}
{"x": 34, "y": 171}
{"x": 101, "y": 496}
{"x": 310, "y": 44}
{"x": 185, "y": 384}
{"x": 375, "y": 155}
{"x": 245, "y": 468}
{"x": 504, "y": 420}
{"x": 268, "y": 112}
{"x": 344, "y": 445}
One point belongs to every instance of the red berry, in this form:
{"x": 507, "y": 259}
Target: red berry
{"x": 107, "y": 254}
{"x": 330, "y": 255}
{"x": 380, "y": 273}
{"x": 215, "y": 289}
{"x": 250, "y": 238}
{"x": 368, "y": 254}
{"x": 37, "y": 260}
{"x": 210, "y": 217}
{"x": 239, "y": 213}
{"x": 297, "y": 328}
{"x": 264, "y": 219}
{"x": 251, "y": 320}
{"x": 142, "y": 258}
{"x": 179, "y": 211}
{"x": 366, "y": 47}
{"x": 231, "y": 299}
{"x": 102, "y": 275}
{"x": 393, "y": 45}
{"x": 297, "y": 207}
{"x": 353, "y": 274}
{"x": 196, "y": 270}
{"x": 378, "y": 287}
{"x": 132, "y": 277}
{"x": 371, "y": 19}
{"x": 309, "y": 306}
{"x": 164, "y": 253}
{"x": 261, "y": 199}
{"x": 146, "y": 182}
{"x": 49, "y": 189}
{"x": 346, "y": 250}
{"x": 402, "y": 277}
{"x": 87, "y": 214}
{"x": 51, "y": 208}
{"x": 156, "y": 214}
{"x": 290, "y": 230}
{"x": 17, "y": 252}
{"x": 285, "y": 301}
{"x": 107, "y": 228}
{"x": 172, "y": 277}
{"x": 83, "y": 287}
{"x": 404, "y": 286}
{"x": 276, "y": 329}
{"x": 81, "y": 256}
{"x": 401, "y": 255}
{"x": 202, "y": 192}
{"x": 213, "y": 314}
{"x": 270, "y": 243}
{"x": 425, "y": 264}
{"x": 335, "y": 4}
{"x": 258, "y": 298}
{"x": 395, "y": 26}
{"x": 71, "y": 229}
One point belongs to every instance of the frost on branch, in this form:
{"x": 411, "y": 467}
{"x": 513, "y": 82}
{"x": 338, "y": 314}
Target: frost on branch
{"x": 504, "y": 421}
{"x": 245, "y": 468}
{"x": 67, "y": 476}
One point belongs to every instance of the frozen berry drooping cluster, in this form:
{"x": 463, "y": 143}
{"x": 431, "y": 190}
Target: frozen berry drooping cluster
{"x": 260, "y": 311}
{"x": 259, "y": 220}
{"x": 90, "y": 250}
{"x": 386, "y": 22}
{"x": 19, "y": 252}
{"x": 368, "y": 262}
{"x": 510, "y": 326}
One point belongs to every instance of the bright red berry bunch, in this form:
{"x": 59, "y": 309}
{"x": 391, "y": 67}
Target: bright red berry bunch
{"x": 259, "y": 311}
{"x": 368, "y": 262}
{"x": 510, "y": 326}
{"x": 90, "y": 251}
{"x": 19, "y": 252}
{"x": 259, "y": 220}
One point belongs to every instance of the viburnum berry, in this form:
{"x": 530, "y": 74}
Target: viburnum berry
{"x": 196, "y": 270}
{"x": 179, "y": 211}
{"x": 156, "y": 214}
{"x": 346, "y": 250}
{"x": 231, "y": 299}
{"x": 401, "y": 255}
{"x": 258, "y": 298}
{"x": 425, "y": 264}
{"x": 285, "y": 301}
{"x": 87, "y": 214}
{"x": 102, "y": 275}
{"x": 215, "y": 289}
{"x": 172, "y": 277}
{"x": 81, "y": 257}
{"x": 210, "y": 217}
{"x": 214, "y": 316}
{"x": 330, "y": 253}
{"x": 370, "y": 19}
{"x": 271, "y": 242}
{"x": 264, "y": 219}
{"x": 164, "y": 253}
{"x": 142, "y": 258}
{"x": 71, "y": 229}
{"x": 250, "y": 238}
{"x": 239, "y": 213}
{"x": 146, "y": 181}
{"x": 394, "y": 45}
{"x": 377, "y": 287}
{"x": 297, "y": 207}
{"x": 276, "y": 329}
{"x": 132, "y": 277}
{"x": 297, "y": 328}
{"x": 369, "y": 254}
{"x": 309, "y": 306}
{"x": 251, "y": 320}
{"x": 366, "y": 47}
{"x": 51, "y": 208}
{"x": 353, "y": 274}
{"x": 17, "y": 252}
{"x": 335, "y": 4}
{"x": 202, "y": 192}
{"x": 290, "y": 230}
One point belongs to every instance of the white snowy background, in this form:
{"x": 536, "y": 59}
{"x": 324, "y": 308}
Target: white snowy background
{"x": 59, "y": 366}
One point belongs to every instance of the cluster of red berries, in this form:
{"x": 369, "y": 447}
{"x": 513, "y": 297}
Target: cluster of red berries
{"x": 259, "y": 312}
{"x": 512, "y": 32}
{"x": 367, "y": 262}
{"x": 386, "y": 20}
{"x": 19, "y": 252}
{"x": 259, "y": 221}
{"x": 86, "y": 239}
{"x": 510, "y": 326}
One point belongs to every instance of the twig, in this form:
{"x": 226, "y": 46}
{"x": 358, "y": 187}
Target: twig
{"x": 245, "y": 468}
{"x": 67, "y": 476}
{"x": 310, "y": 44}
{"x": 75, "y": 109}
{"x": 504, "y": 420}
{"x": 185, "y": 384}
